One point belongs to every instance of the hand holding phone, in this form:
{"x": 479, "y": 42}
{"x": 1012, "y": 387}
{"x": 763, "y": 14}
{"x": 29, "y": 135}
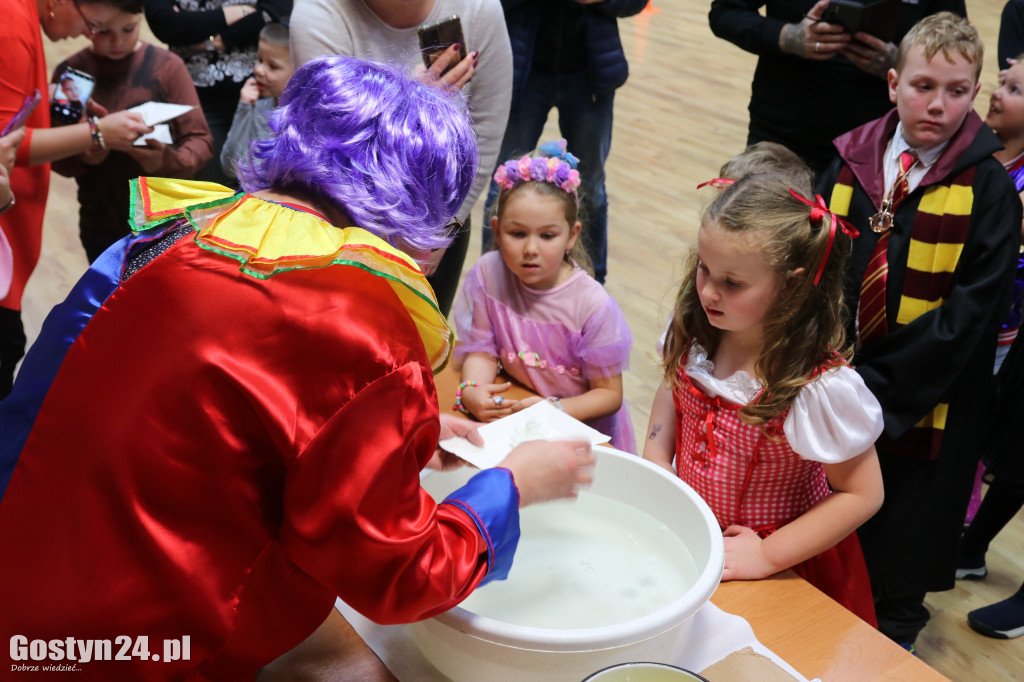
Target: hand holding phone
{"x": 438, "y": 37}
{"x": 30, "y": 104}
{"x": 74, "y": 88}
{"x": 875, "y": 17}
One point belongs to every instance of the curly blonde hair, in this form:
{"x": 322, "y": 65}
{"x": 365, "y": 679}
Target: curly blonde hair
{"x": 804, "y": 327}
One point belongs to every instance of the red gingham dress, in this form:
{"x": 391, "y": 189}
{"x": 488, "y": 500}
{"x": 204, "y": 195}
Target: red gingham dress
{"x": 749, "y": 479}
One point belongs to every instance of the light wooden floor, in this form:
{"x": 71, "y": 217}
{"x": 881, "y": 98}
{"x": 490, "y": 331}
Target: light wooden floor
{"x": 680, "y": 116}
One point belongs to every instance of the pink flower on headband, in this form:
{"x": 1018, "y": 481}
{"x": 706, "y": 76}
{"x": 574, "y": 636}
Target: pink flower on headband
{"x": 572, "y": 182}
{"x": 524, "y": 167}
{"x": 502, "y": 179}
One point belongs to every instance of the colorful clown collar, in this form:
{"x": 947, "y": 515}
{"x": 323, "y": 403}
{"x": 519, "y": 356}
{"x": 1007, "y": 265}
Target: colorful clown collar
{"x": 268, "y": 238}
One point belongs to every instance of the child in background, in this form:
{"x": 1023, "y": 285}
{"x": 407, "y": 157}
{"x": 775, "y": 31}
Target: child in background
{"x": 759, "y": 411}
{"x": 1006, "y": 118}
{"x": 532, "y": 309}
{"x": 929, "y": 282}
{"x": 1001, "y": 456}
{"x": 128, "y": 73}
{"x": 769, "y": 157}
{"x": 259, "y": 94}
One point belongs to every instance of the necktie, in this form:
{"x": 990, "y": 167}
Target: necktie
{"x": 871, "y": 308}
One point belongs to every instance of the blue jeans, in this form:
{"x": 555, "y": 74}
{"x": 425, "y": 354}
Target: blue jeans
{"x": 585, "y": 121}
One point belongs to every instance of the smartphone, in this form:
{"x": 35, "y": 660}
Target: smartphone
{"x": 876, "y": 17}
{"x": 438, "y": 37}
{"x": 74, "y": 88}
{"x": 30, "y": 104}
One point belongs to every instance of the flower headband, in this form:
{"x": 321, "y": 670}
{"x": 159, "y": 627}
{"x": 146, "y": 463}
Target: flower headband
{"x": 558, "y": 168}
{"x": 818, "y": 211}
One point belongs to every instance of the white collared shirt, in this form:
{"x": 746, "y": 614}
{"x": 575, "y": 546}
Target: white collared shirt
{"x": 891, "y": 161}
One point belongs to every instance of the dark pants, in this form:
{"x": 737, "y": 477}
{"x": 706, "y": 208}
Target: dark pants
{"x": 12, "y": 347}
{"x": 219, "y": 104}
{"x": 901, "y": 617}
{"x": 585, "y": 121}
{"x": 445, "y": 280}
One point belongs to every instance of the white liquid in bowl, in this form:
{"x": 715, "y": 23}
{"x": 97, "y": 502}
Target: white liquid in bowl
{"x": 585, "y": 564}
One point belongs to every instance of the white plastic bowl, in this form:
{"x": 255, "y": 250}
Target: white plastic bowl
{"x": 468, "y": 647}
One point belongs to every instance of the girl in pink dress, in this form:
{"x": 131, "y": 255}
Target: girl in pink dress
{"x": 533, "y": 310}
{"x": 759, "y": 411}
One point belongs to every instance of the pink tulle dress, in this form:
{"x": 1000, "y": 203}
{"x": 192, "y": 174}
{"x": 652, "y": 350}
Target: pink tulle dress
{"x": 553, "y": 341}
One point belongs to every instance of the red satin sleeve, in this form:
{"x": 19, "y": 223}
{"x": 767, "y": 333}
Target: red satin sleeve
{"x": 356, "y": 518}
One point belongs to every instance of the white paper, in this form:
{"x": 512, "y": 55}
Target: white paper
{"x": 542, "y": 421}
{"x": 161, "y": 133}
{"x": 160, "y": 112}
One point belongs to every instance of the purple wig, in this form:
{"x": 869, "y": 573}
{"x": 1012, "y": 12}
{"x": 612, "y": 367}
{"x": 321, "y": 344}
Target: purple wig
{"x": 397, "y": 156}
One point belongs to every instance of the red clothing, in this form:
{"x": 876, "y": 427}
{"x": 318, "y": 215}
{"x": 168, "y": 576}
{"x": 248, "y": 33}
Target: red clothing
{"x": 751, "y": 480}
{"x": 220, "y": 455}
{"x": 22, "y": 70}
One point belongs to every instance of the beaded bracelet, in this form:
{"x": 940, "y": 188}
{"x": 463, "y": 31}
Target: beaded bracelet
{"x": 558, "y": 403}
{"x": 458, "y": 396}
{"x": 97, "y": 135}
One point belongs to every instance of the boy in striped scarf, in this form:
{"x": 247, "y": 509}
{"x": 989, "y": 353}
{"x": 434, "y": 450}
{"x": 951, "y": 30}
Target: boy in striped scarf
{"x": 928, "y": 284}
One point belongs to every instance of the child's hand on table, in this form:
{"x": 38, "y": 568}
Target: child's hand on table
{"x": 486, "y": 403}
{"x": 526, "y": 402}
{"x": 744, "y": 555}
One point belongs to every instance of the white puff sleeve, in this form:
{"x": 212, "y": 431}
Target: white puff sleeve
{"x": 834, "y": 418}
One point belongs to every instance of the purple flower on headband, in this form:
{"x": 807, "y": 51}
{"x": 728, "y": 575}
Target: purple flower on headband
{"x": 562, "y": 173}
{"x": 538, "y": 170}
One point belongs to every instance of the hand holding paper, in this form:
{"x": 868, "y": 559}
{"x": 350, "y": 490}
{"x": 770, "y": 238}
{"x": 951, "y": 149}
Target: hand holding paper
{"x": 160, "y": 112}
{"x": 542, "y": 421}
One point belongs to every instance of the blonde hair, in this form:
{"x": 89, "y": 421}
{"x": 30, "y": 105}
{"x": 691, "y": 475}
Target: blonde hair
{"x": 945, "y": 32}
{"x": 770, "y": 157}
{"x": 804, "y": 326}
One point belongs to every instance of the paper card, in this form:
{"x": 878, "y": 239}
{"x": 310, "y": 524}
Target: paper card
{"x": 160, "y": 112}
{"x": 542, "y": 421}
{"x": 161, "y": 133}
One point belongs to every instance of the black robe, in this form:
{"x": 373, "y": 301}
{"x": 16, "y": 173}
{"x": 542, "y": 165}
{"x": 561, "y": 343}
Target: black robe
{"x": 944, "y": 355}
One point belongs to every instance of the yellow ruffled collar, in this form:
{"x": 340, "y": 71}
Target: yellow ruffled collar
{"x": 267, "y": 238}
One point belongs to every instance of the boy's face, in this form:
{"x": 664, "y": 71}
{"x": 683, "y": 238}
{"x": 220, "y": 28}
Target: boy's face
{"x": 114, "y": 33}
{"x": 1006, "y": 108}
{"x": 932, "y": 97}
{"x": 273, "y": 68}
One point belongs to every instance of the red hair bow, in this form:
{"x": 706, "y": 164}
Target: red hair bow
{"x": 717, "y": 183}
{"x": 819, "y": 209}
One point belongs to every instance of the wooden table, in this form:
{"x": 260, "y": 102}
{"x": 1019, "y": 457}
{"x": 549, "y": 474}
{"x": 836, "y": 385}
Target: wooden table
{"x": 812, "y": 633}
{"x": 807, "y": 629}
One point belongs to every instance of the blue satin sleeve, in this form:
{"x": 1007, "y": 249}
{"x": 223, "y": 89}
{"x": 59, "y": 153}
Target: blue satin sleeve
{"x": 491, "y": 499}
{"x": 60, "y": 330}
